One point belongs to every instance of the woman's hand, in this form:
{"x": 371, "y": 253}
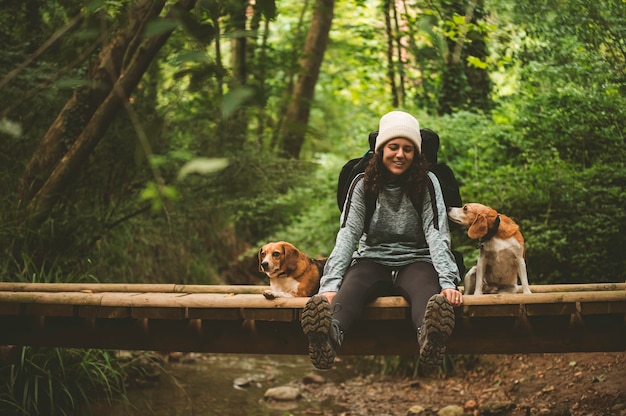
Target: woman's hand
{"x": 329, "y": 296}
{"x": 454, "y": 296}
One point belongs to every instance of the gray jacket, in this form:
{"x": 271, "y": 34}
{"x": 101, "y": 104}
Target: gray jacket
{"x": 398, "y": 235}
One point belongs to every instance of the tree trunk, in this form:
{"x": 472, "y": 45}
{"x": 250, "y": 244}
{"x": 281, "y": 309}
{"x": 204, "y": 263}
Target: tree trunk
{"x": 464, "y": 86}
{"x": 82, "y": 105}
{"x": 65, "y": 165}
{"x": 290, "y": 77}
{"x": 401, "y": 52}
{"x": 235, "y": 128}
{"x": 298, "y": 111}
{"x": 391, "y": 69}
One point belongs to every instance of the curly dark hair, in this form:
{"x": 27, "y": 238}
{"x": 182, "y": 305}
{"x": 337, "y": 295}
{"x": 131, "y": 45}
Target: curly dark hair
{"x": 412, "y": 182}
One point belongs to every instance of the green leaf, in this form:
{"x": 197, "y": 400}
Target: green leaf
{"x": 235, "y": 99}
{"x": 160, "y": 26}
{"x": 458, "y": 19}
{"x": 149, "y": 192}
{"x": 476, "y": 62}
{"x": 93, "y": 6}
{"x": 202, "y": 166}
{"x": 189, "y": 56}
{"x": 10, "y": 128}
{"x": 170, "y": 192}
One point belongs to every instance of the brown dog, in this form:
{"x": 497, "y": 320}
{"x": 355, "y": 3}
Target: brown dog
{"x": 501, "y": 244}
{"x": 292, "y": 273}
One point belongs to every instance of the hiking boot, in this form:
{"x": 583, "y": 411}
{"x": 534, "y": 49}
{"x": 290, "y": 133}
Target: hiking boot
{"x": 324, "y": 333}
{"x": 438, "y": 324}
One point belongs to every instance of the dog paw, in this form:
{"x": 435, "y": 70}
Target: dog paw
{"x": 269, "y": 294}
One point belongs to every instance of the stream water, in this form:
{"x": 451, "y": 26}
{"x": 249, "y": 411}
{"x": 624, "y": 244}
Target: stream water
{"x": 226, "y": 384}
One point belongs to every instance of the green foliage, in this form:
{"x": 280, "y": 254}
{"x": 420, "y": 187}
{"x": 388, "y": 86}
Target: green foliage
{"x": 586, "y": 32}
{"x": 313, "y": 227}
{"x": 574, "y": 223}
{"x": 216, "y": 215}
{"x": 571, "y": 195}
{"x": 57, "y": 381}
{"x": 583, "y": 127}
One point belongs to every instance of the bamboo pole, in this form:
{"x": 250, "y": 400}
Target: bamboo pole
{"x": 219, "y": 300}
{"x": 240, "y": 289}
{"x": 540, "y": 298}
{"x": 128, "y": 287}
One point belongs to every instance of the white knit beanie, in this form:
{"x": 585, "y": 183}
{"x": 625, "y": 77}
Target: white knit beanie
{"x": 397, "y": 124}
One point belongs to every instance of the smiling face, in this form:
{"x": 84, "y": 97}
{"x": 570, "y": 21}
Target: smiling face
{"x": 398, "y": 154}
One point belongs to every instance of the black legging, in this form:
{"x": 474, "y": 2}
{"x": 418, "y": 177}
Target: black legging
{"x": 366, "y": 280}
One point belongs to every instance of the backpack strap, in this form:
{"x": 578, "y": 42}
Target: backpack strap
{"x": 433, "y": 202}
{"x": 370, "y": 207}
{"x": 370, "y": 202}
{"x": 458, "y": 256}
{"x": 349, "y": 194}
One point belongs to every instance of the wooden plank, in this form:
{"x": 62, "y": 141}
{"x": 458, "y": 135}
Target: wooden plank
{"x": 110, "y": 312}
{"x": 159, "y": 313}
{"x": 491, "y": 310}
{"x": 550, "y": 309}
{"x": 10, "y": 309}
{"x": 592, "y": 308}
{"x": 48, "y": 310}
{"x": 484, "y": 336}
{"x": 215, "y": 313}
{"x": 263, "y": 314}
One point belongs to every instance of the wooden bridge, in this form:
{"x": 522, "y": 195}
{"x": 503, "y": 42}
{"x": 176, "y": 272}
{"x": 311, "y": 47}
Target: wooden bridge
{"x": 238, "y": 319}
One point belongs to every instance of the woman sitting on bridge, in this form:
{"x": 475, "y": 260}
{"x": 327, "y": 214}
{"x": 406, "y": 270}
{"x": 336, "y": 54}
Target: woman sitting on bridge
{"x": 400, "y": 249}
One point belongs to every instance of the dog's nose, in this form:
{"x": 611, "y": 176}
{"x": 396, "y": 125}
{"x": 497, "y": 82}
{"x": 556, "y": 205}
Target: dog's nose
{"x": 264, "y": 265}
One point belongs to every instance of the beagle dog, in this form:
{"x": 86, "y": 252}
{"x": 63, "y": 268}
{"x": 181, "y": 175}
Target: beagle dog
{"x": 501, "y": 256}
{"x": 292, "y": 273}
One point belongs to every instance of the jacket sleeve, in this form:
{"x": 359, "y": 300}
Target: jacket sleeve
{"x": 439, "y": 243}
{"x": 352, "y": 225}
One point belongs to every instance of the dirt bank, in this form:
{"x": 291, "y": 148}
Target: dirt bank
{"x": 585, "y": 384}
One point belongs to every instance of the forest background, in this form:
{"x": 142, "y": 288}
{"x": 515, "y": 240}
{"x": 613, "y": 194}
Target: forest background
{"x": 157, "y": 141}
{"x": 154, "y": 141}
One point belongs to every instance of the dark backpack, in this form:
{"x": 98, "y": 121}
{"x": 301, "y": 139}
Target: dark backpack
{"x": 351, "y": 169}
{"x": 354, "y": 170}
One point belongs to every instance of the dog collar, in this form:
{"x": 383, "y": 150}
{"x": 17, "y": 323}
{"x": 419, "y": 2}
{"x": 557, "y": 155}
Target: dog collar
{"x": 492, "y": 231}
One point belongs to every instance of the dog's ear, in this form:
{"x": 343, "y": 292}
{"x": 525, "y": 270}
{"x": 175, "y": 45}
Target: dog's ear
{"x": 479, "y": 227}
{"x": 260, "y": 259}
{"x": 292, "y": 256}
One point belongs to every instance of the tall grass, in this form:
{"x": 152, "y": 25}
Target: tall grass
{"x": 59, "y": 381}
